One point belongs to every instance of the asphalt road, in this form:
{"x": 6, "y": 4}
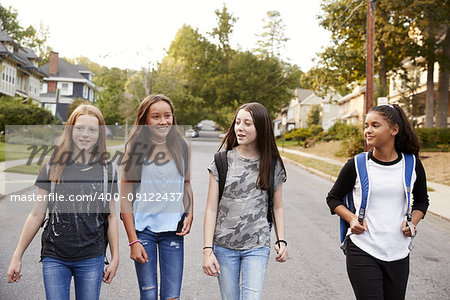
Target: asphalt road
{"x": 315, "y": 270}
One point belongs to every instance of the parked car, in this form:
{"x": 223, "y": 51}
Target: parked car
{"x": 109, "y": 133}
{"x": 192, "y": 133}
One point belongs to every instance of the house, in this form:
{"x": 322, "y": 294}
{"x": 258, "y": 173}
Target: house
{"x": 413, "y": 90}
{"x": 296, "y": 113}
{"x": 351, "y": 107}
{"x": 21, "y": 76}
{"x": 73, "y": 81}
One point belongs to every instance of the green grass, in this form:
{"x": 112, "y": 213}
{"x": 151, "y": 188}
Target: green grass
{"x": 320, "y": 165}
{"x": 12, "y": 151}
{"x": 32, "y": 169}
{"x": 286, "y": 143}
{"x": 114, "y": 142}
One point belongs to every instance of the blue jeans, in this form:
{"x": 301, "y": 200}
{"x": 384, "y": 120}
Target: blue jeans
{"x": 242, "y": 272}
{"x": 87, "y": 273}
{"x": 170, "y": 248}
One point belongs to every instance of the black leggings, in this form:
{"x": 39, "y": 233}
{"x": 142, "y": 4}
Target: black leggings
{"x": 372, "y": 278}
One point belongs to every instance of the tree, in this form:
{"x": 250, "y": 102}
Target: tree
{"x": 225, "y": 23}
{"x": 273, "y": 39}
{"x": 26, "y": 37}
{"x": 345, "y": 60}
{"x": 112, "y": 93}
{"x": 314, "y": 116}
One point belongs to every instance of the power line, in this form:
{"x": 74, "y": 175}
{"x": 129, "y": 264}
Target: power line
{"x": 351, "y": 14}
{"x": 343, "y": 12}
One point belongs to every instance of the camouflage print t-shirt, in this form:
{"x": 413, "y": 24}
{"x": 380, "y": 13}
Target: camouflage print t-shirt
{"x": 242, "y": 213}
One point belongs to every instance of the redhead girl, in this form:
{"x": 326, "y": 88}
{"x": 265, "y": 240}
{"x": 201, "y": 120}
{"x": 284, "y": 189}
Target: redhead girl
{"x": 76, "y": 232}
{"x": 236, "y": 229}
{"x": 156, "y": 198}
{"x": 378, "y": 249}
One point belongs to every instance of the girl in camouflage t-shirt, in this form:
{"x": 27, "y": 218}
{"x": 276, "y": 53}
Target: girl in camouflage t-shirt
{"x": 236, "y": 229}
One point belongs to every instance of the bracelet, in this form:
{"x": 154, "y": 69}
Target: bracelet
{"x": 207, "y": 247}
{"x": 134, "y": 242}
{"x": 281, "y": 241}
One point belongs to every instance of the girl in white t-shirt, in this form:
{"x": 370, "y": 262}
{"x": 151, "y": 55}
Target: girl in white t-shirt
{"x": 378, "y": 249}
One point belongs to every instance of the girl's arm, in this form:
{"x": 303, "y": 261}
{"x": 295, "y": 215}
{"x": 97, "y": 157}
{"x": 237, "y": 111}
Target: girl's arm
{"x": 113, "y": 240}
{"x": 188, "y": 198}
{"x": 137, "y": 251}
{"x": 31, "y": 227}
{"x": 210, "y": 264}
{"x": 278, "y": 210}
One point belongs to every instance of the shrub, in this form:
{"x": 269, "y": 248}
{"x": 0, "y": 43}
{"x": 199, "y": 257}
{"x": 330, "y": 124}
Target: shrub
{"x": 434, "y": 138}
{"x": 341, "y": 131}
{"x": 299, "y": 135}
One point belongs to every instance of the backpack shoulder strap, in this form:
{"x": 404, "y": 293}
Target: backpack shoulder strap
{"x": 410, "y": 164}
{"x": 271, "y": 191}
{"x": 362, "y": 174}
{"x": 221, "y": 161}
{"x": 185, "y": 155}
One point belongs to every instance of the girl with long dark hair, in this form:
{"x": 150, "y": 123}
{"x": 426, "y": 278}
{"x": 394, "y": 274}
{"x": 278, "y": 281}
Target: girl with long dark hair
{"x": 156, "y": 197}
{"x": 378, "y": 246}
{"x": 236, "y": 229}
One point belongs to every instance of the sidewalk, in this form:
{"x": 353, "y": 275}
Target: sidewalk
{"x": 439, "y": 198}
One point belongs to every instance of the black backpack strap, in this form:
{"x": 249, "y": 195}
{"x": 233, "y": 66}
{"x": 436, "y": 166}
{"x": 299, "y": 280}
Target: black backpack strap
{"x": 270, "y": 213}
{"x": 221, "y": 161}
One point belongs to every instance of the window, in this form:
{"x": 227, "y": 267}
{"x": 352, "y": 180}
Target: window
{"x": 85, "y": 92}
{"x": 64, "y": 88}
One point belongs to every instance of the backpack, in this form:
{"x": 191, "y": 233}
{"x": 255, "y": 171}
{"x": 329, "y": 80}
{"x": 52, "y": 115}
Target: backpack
{"x": 221, "y": 162}
{"x": 361, "y": 173}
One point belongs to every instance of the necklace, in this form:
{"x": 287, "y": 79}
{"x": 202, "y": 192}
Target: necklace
{"x": 158, "y": 143}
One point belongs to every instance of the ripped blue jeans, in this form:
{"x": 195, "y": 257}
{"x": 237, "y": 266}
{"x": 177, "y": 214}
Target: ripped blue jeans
{"x": 169, "y": 247}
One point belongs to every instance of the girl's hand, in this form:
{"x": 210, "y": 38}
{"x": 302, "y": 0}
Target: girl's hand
{"x": 138, "y": 253}
{"x": 211, "y": 266}
{"x": 110, "y": 271}
{"x": 357, "y": 228}
{"x": 282, "y": 253}
{"x": 186, "y": 225}
{"x": 14, "y": 274}
{"x": 406, "y": 230}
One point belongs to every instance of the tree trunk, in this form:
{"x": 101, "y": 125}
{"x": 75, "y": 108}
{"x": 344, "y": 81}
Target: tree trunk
{"x": 429, "y": 105}
{"x": 442, "y": 98}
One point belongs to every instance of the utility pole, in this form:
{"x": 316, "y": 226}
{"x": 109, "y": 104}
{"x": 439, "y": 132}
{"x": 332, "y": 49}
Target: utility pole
{"x": 370, "y": 35}
{"x": 370, "y": 54}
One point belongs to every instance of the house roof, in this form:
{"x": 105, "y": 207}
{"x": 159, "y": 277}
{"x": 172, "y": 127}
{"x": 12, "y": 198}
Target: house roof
{"x": 4, "y": 37}
{"x": 65, "y": 70}
{"x": 358, "y": 91}
{"x": 302, "y": 94}
{"x": 81, "y": 68}
{"x": 26, "y": 54}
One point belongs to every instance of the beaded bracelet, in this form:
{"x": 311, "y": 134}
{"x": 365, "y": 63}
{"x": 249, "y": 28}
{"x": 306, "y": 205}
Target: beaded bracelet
{"x": 134, "y": 242}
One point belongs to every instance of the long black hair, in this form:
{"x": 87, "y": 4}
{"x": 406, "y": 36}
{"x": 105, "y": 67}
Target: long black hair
{"x": 406, "y": 139}
{"x": 265, "y": 141}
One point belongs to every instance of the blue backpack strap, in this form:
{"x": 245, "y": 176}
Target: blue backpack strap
{"x": 409, "y": 166}
{"x": 361, "y": 169}
{"x": 344, "y": 225}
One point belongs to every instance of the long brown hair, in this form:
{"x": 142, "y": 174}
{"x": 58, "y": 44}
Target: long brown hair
{"x": 406, "y": 140}
{"x": 140, "y": 145}
{"x": 66, "y": 145}
{"x": 265, "y": 140}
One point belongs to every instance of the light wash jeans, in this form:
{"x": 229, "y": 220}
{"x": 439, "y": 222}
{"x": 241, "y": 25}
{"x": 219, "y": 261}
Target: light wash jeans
{"x": 170, "y": 248}
{"x": 242, "y": 272}
{"x": 87, "y": 274}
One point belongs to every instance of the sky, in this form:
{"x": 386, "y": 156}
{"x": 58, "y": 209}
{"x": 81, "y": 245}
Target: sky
{"x": 137, "y": 33}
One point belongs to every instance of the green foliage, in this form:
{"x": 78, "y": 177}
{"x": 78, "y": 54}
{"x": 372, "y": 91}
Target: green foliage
{"x": 112, "y": 93}
{"x": 341, "y": 131}
{"x": 352, "y": 145}
{"x": 76, "y": 102}
{"x": 434, "y": 138}
{"x": 273, "y": 39}
{"x": 26, "y": 37}
{"x": 314, "y": 116}
{"x": 14, "y": 112}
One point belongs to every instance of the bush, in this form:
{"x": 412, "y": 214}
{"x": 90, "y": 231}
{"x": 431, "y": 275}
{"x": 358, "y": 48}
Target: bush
{"x": 434, "y": 138}
{"x": 341, "y": 131}
{"x": 14, "y": 112}
{"x": 352, "y": 145}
